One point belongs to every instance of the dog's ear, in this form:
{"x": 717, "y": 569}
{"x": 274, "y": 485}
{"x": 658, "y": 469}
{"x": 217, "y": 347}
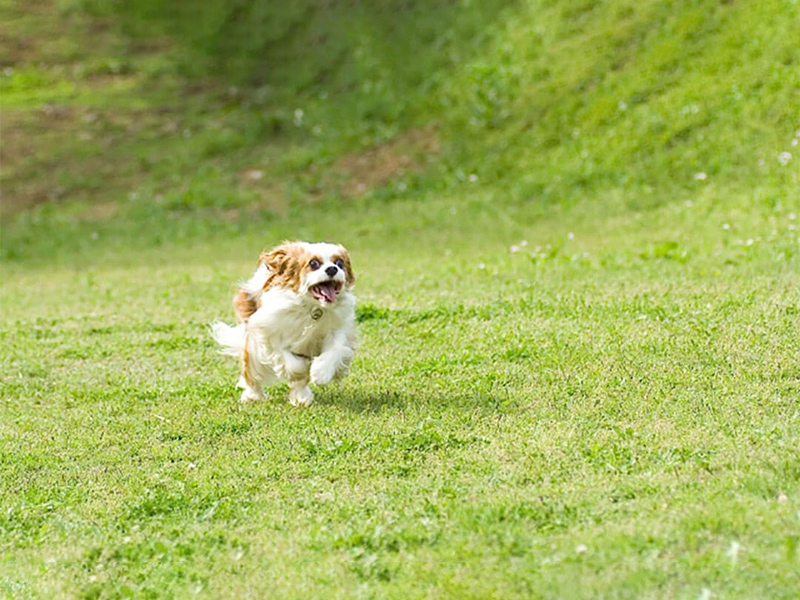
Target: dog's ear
{"x": 350, "y": 277}
{"x": 274, "y": 258}
{"x": 284, "y": 265}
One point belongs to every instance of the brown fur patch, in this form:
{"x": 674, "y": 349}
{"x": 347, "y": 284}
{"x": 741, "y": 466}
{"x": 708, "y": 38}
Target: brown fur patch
{"x": 248, "y": 377}
{"x": 285, "y": 263}
{"x": 244, "y": 305}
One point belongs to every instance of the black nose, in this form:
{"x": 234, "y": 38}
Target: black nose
{"x": 332, "y": 270}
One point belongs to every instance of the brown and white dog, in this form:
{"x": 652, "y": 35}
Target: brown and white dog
{"x": 297, "y": 320}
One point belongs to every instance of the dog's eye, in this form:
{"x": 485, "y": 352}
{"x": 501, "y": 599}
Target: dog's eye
{"x": 339, "y": 263}
{"x": 314, "y": 264}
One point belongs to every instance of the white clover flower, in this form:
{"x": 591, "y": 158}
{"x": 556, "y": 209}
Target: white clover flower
{"x": 733, "y": 551}
{"x": 784, "y": 158}
{"x": 514, "y": 249}
{"x": 700, "y": 176}
{"x": 253, "y": 174}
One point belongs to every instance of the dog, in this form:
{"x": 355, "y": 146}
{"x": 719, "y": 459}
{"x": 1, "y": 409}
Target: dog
{"x": 297, "y": 321}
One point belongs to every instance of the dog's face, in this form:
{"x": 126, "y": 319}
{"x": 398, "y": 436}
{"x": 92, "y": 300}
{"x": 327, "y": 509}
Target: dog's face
{"x": 320, "y": 270}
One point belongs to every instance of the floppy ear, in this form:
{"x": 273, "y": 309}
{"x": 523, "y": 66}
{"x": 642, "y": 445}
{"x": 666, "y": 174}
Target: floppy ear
{"x": 274, "y": 258}
{"x": 350, "y": 277}
{"x": 284, "y": 266}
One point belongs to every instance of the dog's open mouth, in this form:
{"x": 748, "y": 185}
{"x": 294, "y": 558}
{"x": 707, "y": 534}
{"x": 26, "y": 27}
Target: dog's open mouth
{"x": 327, "y": 291}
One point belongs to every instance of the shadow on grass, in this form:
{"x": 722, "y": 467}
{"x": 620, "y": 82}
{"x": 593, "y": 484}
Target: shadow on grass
{"x": 378, "y": 401}
{"x": 362, "y": 401}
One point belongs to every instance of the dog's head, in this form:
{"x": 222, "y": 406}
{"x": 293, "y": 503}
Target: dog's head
{"x": 320, "y": 270}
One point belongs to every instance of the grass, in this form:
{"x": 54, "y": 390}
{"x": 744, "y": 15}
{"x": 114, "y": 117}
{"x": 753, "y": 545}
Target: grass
{"x": 578, "y": 374}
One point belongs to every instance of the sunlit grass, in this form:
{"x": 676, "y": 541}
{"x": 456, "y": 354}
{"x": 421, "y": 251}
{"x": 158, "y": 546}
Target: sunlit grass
{"x": 578, "y": 373}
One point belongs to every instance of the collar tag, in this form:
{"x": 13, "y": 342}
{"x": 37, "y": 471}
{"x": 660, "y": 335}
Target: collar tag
{"x": 316, "y": 313}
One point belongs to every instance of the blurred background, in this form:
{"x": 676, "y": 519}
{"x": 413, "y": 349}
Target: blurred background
{"x": 142, "y": 122}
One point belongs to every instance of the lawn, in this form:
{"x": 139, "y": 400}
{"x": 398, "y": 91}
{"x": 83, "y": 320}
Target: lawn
{"x": 578, "y": 303}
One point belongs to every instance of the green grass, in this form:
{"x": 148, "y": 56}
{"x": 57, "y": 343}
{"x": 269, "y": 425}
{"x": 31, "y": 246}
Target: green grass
{"x": 579, "y": 369}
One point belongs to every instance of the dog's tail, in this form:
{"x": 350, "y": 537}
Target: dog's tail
{"x": 236, "y": 341}
{"x": 232, "y": 339}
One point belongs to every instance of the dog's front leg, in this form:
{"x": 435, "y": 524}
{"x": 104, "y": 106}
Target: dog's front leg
{"x": 295, "y": 370}
{"x": 299, "y": 393}
{"x": 333, "y": 361}
{"x": 294, "y": 366}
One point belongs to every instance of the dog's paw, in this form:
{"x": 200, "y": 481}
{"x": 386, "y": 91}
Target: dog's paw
{"x": 250, "y": 395}
{"x": 342, "y": 372}
{"x": 322, "y": 371}
{"x": 301, "y": 396}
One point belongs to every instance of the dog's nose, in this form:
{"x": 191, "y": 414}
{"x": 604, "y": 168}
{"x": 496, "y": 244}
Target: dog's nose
{"x": 332, "y": 270}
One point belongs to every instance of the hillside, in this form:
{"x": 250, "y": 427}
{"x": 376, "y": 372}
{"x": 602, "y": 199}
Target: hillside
{"x": 625, "y": 104}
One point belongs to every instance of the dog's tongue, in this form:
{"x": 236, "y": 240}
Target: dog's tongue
{"x": 326, "y": 291}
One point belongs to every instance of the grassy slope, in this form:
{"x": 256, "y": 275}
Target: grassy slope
{"x": 626, "y": 379}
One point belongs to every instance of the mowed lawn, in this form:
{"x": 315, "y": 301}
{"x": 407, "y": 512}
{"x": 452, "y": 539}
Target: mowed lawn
{"x": 576, "y": 232}
{"x": 572, "y": 407}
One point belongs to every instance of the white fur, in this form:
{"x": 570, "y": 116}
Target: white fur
{"x": 255, "y": 284}
{"x": 293, "y": 337}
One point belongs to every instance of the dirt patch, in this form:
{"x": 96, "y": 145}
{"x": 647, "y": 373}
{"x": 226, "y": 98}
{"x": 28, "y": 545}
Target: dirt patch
{"x": 410, "y": 152}
{"x": 100, "y": 212}
{"x": 54, "y": 152}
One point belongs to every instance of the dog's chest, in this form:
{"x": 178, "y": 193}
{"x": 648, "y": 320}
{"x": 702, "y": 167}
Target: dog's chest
{"x": 308, "y": 330}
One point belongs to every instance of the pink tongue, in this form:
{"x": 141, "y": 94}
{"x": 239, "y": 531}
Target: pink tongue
{"x": 327, "y": 291}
